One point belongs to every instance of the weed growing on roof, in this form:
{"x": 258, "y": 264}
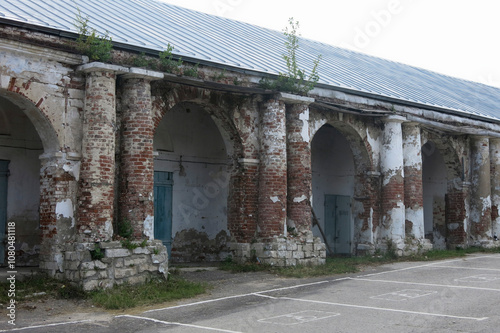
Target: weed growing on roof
{"x": 90, "y": 43}
{"x": 191, "y": 71}
{"x": 296, "y": 80}
{"x": 167, "y": 63}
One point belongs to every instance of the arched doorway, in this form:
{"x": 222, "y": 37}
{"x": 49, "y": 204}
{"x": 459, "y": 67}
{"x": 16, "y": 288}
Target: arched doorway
{"x": 340, "y": 187}
{"x": 193, "y": 165}
{"x": 20, "y": 148}
{"x": 435, "y": 187}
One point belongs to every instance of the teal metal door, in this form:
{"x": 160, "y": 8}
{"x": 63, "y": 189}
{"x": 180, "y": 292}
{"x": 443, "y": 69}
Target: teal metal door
{"x": 338, "y": 223}
{"x": 163, "y": 208}
{"x": 4, "y": 173}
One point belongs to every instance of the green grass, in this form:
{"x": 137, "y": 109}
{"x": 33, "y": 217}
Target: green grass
{"x": 40, "y": 286}
{"x": 344, "y": 265}
{"x": 153, "y": 292}
{"x": 119, "y": 297}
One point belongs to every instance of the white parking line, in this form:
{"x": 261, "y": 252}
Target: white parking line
{"x": 432, "y": 264}
{"x": 178, "y": 324}
{"x": 242, "y": 295}
{"x": 384, "y": 309}
{"x": 426, "y": 284}
{"x": 473, "y": 268}
{"x": 46, "y": 325}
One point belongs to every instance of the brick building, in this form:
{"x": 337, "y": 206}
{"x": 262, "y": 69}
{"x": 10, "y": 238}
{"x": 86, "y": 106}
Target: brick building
{"x": 202, "y": 162}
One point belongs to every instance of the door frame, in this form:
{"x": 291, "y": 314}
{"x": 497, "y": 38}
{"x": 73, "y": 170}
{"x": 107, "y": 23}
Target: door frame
{"x": 334, "y": 225}
{"x": 163, "y": 180}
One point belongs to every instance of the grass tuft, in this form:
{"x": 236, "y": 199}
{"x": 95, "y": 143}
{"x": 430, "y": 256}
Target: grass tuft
{"x": 345, "y": 265}
{"x": 153, "y": 292}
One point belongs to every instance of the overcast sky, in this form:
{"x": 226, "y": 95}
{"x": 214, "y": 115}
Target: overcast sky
{"x": 460, "y": 38}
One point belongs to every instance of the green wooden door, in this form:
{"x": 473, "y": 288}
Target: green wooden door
{"x": 163, "y": 208}
{"x": 338, "y": 223}
{"x": 4, "y": 173}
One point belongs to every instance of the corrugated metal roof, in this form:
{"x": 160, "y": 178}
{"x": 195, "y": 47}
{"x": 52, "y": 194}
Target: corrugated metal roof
{"x": 153, "y": 25}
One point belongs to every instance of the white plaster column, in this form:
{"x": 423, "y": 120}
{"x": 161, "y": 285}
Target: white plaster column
{"x": 480, "y": 201}
{"x": 391, "y": 167}
{"x": 495, "y": 186}
{"x": 413, "y": 194}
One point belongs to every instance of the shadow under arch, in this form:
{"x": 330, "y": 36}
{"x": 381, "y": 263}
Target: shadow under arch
{"x": 28, "y": 136}
{"x": 42, "y": 124}
{"x": 443, "y": 193}
{"x": 201, "y": 195}
{"x": 340, "y": 152}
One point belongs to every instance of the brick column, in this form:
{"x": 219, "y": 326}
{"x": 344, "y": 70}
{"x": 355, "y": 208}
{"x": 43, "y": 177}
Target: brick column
{"x": 243, "y": 203}
{"x": 96, "y": 193}
{"x": 480, "y": 201}
{"x": 58, "y": 183}
{"x": 299, "y": 175}
{"x": 391, "y": 167}
{"x": 413, "y": 188}
{"x": 272, "y": 171}
{"x": 136, "y": 160}
{"x": 495, "y": 186}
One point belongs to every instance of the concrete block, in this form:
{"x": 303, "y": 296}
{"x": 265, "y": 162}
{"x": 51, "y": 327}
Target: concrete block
{"x": 110, "y": 245}
{"x": 298, "y": 254}
{"x": 125, "y": 272}
{"x": 119, "y": 262}
{"x": 141, "y": 250}
{"x": 71, "y": 265}
{"x": 100, "y": 265}
{"x": 159, "y": 258}
{"x": 116, "y": 253}
{"x": 87, "y": 265}
{"x": 88, "y": 273}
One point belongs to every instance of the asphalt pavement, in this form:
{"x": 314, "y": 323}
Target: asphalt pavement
{"x": 457, "y": 295}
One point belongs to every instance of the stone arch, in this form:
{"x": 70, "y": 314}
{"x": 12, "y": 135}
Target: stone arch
{"x": 358, "y": 183}
{"x": 203, "y": 221}
{"x": 31, "y": 200}
{"x": 42, "y": 124}
{"x": 444, "y": 196}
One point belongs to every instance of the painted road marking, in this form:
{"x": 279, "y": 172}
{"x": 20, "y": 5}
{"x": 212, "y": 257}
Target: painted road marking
{"x": 243, "y": 295}
{"x": 46, "y": 325}
{"x": 299, "y": 317}
{"x": 427, "y": 284}
{"x": 431, "y": 264}
{"x": 479, "y": 278}
{"x": 384, "y": 309}
{"x": 404, "y": 295}
{"x": 177, "y": 324}
{"x": 472, "y": 268}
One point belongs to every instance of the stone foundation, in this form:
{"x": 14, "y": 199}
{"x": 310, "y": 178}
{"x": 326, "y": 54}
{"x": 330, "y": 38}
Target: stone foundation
{"x": 282, "y": 251}
{"x": 118, "y": 265}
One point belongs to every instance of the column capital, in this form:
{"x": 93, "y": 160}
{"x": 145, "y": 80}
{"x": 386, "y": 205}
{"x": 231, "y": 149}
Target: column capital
{"x": 102, "y": 67}
{"x": 294, "y": 99}
{"x": 394, "y": 119}
{"x": 141, "y": 73}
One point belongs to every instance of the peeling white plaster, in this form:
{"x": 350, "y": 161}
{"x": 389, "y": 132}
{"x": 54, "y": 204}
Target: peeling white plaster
{"x": 486, "y": 204}
{"x": 453, "y": 226}
{"x": 416, "y": 216}
{"x": 58, "y": 258}
{"x": 300, "y": 199}
{"x": 412, "y": 152}
{"x": 305, "y": 125}
{"x": 274, "y": 199}
{"x": 149, "y": 227}
{"x": 64, "y": 209}
{"x": 108, "y": 228}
